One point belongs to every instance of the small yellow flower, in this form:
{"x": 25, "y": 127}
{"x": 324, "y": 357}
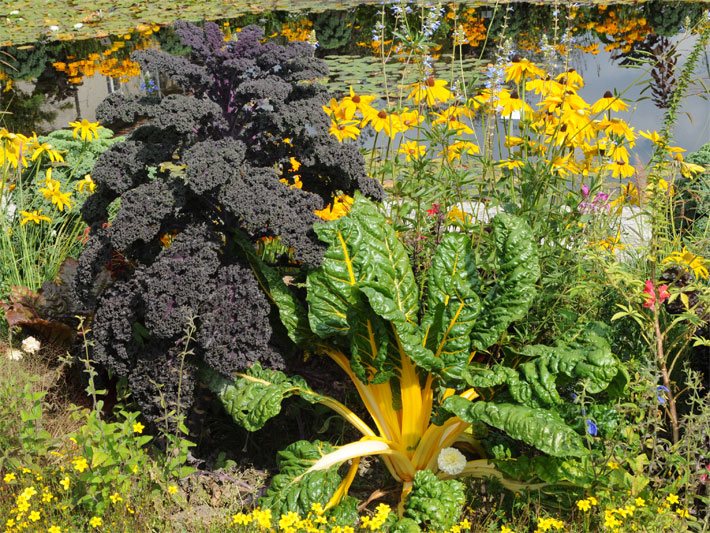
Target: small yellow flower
{"x": 86, "y": 183}
{"x": 683, "y": 513}
{"x": 672, "y": 498}
{"x": 584, "y": 505}
{"x": 613, "y": 465}
{"x": 80, "y": 464}
{"x": 505, "y": 529}
{"x": 262, "y": 518}
{"x": 28, "y": 493}
{"x": 288, "y": 520}
{"x": 96, "y": 521}
{"x": 34, "y": 516}
{"x": 87, "y": 130}
{"x": 138, "y": 427}
{"x": 65, "y": 483}
{"x": 640, "y": 502}
{"x": 47, "y": 497}
{"x": 241, "y": 519}
{"x": 33, "y": 216}
{"x": 9, "y": 478}
{"x": 115, "y": 498}
{"x": 172, "y": 489}
{"x": 54, "y": 529}
{"x": 592, "y": 500}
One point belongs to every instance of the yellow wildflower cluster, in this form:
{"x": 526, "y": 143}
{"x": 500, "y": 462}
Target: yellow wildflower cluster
{"x": 297, "y": 30}
{"x": 17, "y": 150}
{"x": 549, "y": 524}
{"x": 106, "y": 62}
{"x": 375, "y": 522}
{"x": 471, "y": 28}
{"x": 622, "y": 34}
{"x": 586, "y": 504}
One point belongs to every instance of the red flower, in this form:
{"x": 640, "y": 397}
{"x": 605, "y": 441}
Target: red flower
{"x": 434, "y": 210}
{"x": 651, "y": 297}
{"x": 663, "y": 293}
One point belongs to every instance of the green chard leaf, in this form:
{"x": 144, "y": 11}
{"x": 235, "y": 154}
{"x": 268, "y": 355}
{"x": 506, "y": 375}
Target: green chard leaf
{"x": 294, "y": 490}
{"x": 517, "y": 272}
{"x": 452, "y": 302}
{"x": 292, "y": 313}
{"x": 253, "y": 398}
{"x": 537, "y": 427}
{"x": 587, "y": 358}
{"x": 434, "y": 504}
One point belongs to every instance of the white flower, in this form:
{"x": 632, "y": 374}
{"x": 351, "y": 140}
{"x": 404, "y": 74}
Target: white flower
{"x": 451, "y": 461}
{"x": 54, "y": 28}
{"x": 13, "y": 354}
{"x": 30, "y": 345}
{"x": 15, "y": 12}
{"x": 78, "y": 26}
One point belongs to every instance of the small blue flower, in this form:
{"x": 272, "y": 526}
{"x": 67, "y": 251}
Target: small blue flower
{"x": 661, "y": 392}
{"x": 591, "y": 427}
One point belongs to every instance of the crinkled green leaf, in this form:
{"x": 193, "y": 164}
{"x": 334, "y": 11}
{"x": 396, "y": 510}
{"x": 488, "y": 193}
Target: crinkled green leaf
{"x": 517, "y": 270}
{"x": 292, "y": 313}
{"x": 452, "y": 302}
{"x": 405, "y": 525}
{"x": 294, "y": 490}
{"x": 255, "y": 397}
{"x": 434, "y": 504}
{"x": 586, "y": 359}
{"x": 537, "y": 427}
{"x": 578, "y": 471}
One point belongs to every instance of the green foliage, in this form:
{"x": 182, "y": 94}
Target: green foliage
{"x": 79, "y": 156}
{"x": 254, "y": 397}
{"x": 542, "y": 429}
{"x": 294, "y": 490}
{"x": 435, "y": 503}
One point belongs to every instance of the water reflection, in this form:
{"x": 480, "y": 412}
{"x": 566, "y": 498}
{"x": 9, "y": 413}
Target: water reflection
{"x": 48, "y": 84}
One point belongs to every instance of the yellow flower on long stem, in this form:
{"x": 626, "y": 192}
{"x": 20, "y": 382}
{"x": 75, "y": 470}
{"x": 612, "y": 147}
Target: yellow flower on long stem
{"x": 344, "y": 129}
{"x": 621, "y": 169}
{"x": 688, "y": 259}
{"x": 87, "y": 130}
{"x": 33, "y": 216}
{"x": 382, "y": 120}
{"x": 412, "y": 149}
{"x": 356, "y": 102}
{"x": 44, "y": 148}
{"x": 609, "y": 103}
{"x": 431, "y": 90}
{"x": 520, "y": 68}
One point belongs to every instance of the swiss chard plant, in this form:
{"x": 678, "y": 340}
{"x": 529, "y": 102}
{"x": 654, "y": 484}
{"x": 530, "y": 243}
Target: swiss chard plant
{"x": 417, "y": 359}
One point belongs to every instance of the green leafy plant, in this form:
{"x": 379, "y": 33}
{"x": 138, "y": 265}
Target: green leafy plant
{"x": 424, "y": 366}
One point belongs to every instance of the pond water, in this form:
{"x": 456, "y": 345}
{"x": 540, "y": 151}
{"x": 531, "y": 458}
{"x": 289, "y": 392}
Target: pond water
{"x": 635, "y": 49}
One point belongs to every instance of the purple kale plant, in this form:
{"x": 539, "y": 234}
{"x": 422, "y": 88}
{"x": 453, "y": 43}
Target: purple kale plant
{"x": 207, "y": 170}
